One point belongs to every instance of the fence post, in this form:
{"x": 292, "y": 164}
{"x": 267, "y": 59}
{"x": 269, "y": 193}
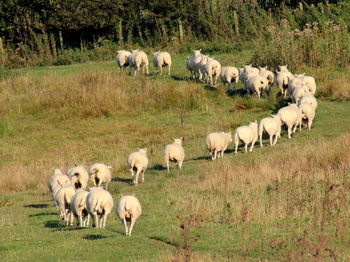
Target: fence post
{"x": 236, "y": 23}
{"x": 181, "y": 33}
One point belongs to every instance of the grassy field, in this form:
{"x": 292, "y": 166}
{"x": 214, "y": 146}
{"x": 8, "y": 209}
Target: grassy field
{"x": 290, "y": 202}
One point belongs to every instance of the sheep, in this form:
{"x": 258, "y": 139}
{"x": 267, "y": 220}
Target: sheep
{"x": 193, "y": 61}
{"x": 307, "y": 113}
{"x": 138, "y": 162}
{"x": 58, "y": 178}
{"x": 201, "y": 68}
{"x": 162, "y": 59}
{"x": 298, "y": 93}
{"x": 247, "y": 70}
{"x": 128, "y": 210}
{"x": 256, "y": 83}
{"x": 309, "y": 82}
{"x": 79, "y": 177}
{"x": 213, "y": 70}
{"x": 63, "y": 199}
{"x": 282, "y": 80}
{"x": 268, "y": 75}
{"x": 100, "y": 173}
{"x": 283, "y": 68}
{"x": 99, "y": 204}
{"x": 228, "y": 75}
{"x": 241, "y": 74}
{"x": 291, "y": 117}
{"x": 174, "y": 153}
{"x": 218, "y": 142}
{"x": 78, "y": 207}
{"x": 122, "y": 59}
{"x": 308, "y": 99}
{"x": 138, "y": 59}
{"x": 272, "y": 126}
{"x": 247, "y": 134}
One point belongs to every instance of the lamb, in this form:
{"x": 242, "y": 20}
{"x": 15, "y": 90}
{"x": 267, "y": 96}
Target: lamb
{"x": 308, "y": 99}
{"x": 298, "y": 93}
{"x": 201, "y": 68}
{"x": 307, "y": 82}
{"x": 247, "y": 134}
{"x": 122, "y": 59}
{"x": 138, "y": 162}
{"x": 268, "y": 75}
{"x": 272, "y": 126}
{"x": 248, "y": 70}
{"x": 138, "y": 59}
{"x": 79, "y": 177}
{"x": 100, "y": 173}
{"x": 63, "y": 199}
{"x": 175, "y": 153}
{"x": 291, "y": 117}
{"x": 99, "y": 204}
{"x": 78, "y": 207}
{"x": 218, "y": 142}
{"x": 162, "y": 59}
{"x": 213, "y": 70}
{"x": 256, "y": 83}
{"x": 128, "y": 210}
{"x": 307, "y": 113}
{"x": 58, "y": 178}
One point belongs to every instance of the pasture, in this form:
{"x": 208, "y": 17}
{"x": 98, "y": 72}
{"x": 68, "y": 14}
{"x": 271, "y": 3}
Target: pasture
{"x": 289, "y": 202}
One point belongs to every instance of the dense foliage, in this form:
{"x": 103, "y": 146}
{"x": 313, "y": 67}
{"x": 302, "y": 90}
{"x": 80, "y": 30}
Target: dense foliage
{"x": 41, "y": 32}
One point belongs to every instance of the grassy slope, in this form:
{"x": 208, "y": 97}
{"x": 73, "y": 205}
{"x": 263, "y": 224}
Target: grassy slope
{"x": 30, "y": 230}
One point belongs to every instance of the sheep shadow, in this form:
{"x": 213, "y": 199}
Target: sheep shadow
{"x": 210, "y": 88}
{"x": 123, "y": 180}
{"x": 37, "y": 205}
{"x": 180, "y": 78}
{"x": 166, "y": 241}
{"x": 200, "y": 158}
{"x": 94, "y": 237}
{"x": 53, "y": 224}
{"x": 43, "y": 214}
{"x": 158, "y": 167}
{"x": 236, "y": 92}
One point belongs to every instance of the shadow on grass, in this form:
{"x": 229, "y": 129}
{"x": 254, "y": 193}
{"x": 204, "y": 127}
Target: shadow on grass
{"x": 236, "y": 92}
{"x": 158, "y": 168}
{"x": 210, "y": 88}
{"x": 180, "y": 78}
{"x": 37, "y": 205}
{"x": 200, "y": 158}
{"x": 53, "y": 224}
{"x": 42, "y": 214}
{"x": 94, "y": 237}
{"x": 166, "y": 241}
{"x": 123, "y": 180}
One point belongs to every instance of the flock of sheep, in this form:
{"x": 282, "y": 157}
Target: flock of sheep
{"x": 69, "y": 191}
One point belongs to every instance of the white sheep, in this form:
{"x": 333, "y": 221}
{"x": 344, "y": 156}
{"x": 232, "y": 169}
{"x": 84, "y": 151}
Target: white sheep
{"x": 79, "y": 177}
{"x": 138, "y": 59}
{"x": 307, "y": 113}
{"x": 201, "y": 69}
{"x": 213, "y": 70}
{"x": 162, "y": 59}
{"x": 78, "y": 207}
{"x": 122, "y": 59}
{"x": 100, "y": 173}
{"x": 282, "y": 80}
{"x": 193, "y": 61}
{"x": 58, "y": 178}
{"x": 174, "y": 153}
{"x": 128, "y": 211}
{"x": 291, "y": 117}
{"x": 228, "y": 75}
{"x": 138, "y": 162}
{"x": 268, "y": 75}
{"x": 63, "y": 199}
{"x": 218, "y": 142}
{"x": 295, "y": 82}
{"x": 272, "y": 126}
{"x": 283, "y": 68}
{"x": 298, "y": 93}
{"x": 99, "y": 204}
{"x": 247, "y": 134}
{"x": 309, "y": 99}
{"x": 256, "y": 83}
{"x": 309, "y": 83}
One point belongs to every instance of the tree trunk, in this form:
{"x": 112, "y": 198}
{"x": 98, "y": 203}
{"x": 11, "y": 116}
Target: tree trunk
{"x": 120, "y": 33}
{"x": 181, "y": 33}
{"x": 2, "y": 54}
{"x": 61, "y": 39}
{"x": 236, "y": 23}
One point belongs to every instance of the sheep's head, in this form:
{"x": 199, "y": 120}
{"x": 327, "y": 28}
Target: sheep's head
{"x": 277, "y": 118}
{"x": 197, "y": 52}
{"x": 143, "y": 150}
{"x": 283, "y": 68}
{"x": 178, "y": 140}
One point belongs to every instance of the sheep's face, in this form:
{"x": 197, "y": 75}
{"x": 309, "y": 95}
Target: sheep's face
{"x": 143, "y": 150}
{"x": 283, "y": 68}
{"x": 277, "y": 118}
{"x": 247, "y": 68}
{"x": 178, "y": 140}
{"x": 197, "y": 52}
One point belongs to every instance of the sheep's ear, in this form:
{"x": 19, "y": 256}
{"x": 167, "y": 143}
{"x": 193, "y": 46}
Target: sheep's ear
{"x": 134, "y": 194}
{"x": 260, "y": 67}
{"x": 256, "y": 121}
{"x": 289, "y": 103}
{"x": 89, "y": 188}
{"x": 75, "y": 164}
{"x": 138, "y": 149}
{"x": 174, "y": 139}
{"x": 286, "y": 65}
{"x": 121, "y": 195}
{"x": 272, "y": 115}
{"x": 200, "y": 50}
{"x": 182, "y": 139}
{"x": 110, "y": 167}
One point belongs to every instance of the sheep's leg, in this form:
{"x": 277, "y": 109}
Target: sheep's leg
{"x": 136, "y": 179}
{"x": 260, "y": 136}
{"x": 107, "y": 185}
{"x": 289, "y": 132}
{"x": 295, "y": 127}
{"x": 222, "y": 153}
{"x": 271, "y": 140}
{"x": 143, "y": 175}
{"x": 215, "y": 153}
{"x": 276, "y": 136}
{"x": 161, "y": 70}
{"x": 167, "y": 166}
{"x": 104, "y": 219}
{"x": 252, "y": 146}
{"x": 169, "y": 70}
{"x": 132, "y": 225}
{"x": 126, "y": 227}
{"x": 95, "y": 220}
{"x": 179, "y": 163}
{"x": 81, "y": 223}
{"x": 87, "y": 223}
{"x": 71, "y": 218}
{"x": 309, "y": 124}
{"x": 236, "y": 148}
{"x": 258, "y": 93}
{"x": 246, "y": 148}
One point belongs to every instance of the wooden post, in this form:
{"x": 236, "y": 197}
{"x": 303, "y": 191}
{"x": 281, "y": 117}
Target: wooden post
{"x": 61, "y": 39}
{"x": 181, "y": 33}
{"x": 301, "y": 6}
{"x": 120, "y": 33}
{"x": 2, "y": 53}
{"x": 236, "y": 23}
{"x": 53, "y": 45}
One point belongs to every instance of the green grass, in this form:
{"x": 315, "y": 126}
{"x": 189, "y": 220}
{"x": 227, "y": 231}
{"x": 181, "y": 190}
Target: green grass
{"x": 33, "y": 142}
